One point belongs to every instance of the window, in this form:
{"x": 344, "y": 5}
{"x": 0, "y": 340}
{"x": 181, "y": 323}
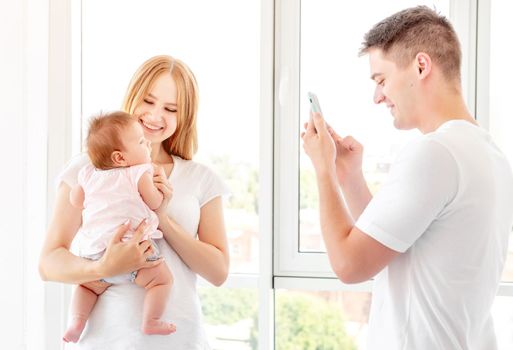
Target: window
{"x": 494, "y": 111}
{"x": 322, "y": 56}
{"x": 330, "y": 320}
{"x": 231, "y": 316}
{"x": 315, "y": 49}
{"x": 499, "y": 116}
{"x": 223, "y": 51}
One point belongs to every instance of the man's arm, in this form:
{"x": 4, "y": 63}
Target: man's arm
{"x": 350, "y": 177}
{"x": 354, "y": 256}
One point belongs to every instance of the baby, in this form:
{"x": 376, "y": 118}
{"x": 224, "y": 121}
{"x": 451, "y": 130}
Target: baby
{"x": 117, "y": 187}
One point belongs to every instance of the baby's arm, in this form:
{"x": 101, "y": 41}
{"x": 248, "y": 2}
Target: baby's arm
{"x": 76, "y": 197}
{"x": 149, "y": 193}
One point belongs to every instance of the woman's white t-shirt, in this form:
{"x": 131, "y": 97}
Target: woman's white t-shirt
{"x": 115, "y": 322}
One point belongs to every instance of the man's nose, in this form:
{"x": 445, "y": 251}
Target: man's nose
{"x": 378, "y": 95}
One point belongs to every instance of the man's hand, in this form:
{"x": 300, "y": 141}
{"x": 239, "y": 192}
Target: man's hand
{"x": 319, "y": 145}
{"x": 349, "y": 157}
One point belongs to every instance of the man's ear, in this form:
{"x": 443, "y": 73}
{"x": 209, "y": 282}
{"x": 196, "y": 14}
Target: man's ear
{"x": 118, "y": 158}
{"x": 423, "y": 64}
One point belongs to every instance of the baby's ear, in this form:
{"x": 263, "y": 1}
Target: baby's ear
{"x": 117, "y": 158}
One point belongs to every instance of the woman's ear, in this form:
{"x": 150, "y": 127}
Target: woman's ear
{"x": 118, "y": 159}
{"x": 423, "y": 64}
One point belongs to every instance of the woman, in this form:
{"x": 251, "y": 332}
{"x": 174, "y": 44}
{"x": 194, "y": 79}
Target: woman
{"x": 163, "y": 96}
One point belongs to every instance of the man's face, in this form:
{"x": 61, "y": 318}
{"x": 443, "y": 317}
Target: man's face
{"x": 396, "y": 87}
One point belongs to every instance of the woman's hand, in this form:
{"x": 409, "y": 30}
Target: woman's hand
{"x": 161, "y": 182}
{"x": 123, "y": 257}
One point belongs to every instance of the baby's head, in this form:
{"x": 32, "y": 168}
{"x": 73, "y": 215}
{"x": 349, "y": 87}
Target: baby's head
{"x": 116, "y": 140}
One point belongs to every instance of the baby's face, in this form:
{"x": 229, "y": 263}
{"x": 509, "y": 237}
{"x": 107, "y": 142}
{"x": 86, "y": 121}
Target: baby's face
{"x": 137, "y": 149}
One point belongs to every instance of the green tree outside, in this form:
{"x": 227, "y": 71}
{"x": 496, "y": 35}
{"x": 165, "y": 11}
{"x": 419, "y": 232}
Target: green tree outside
{"x": 303, "y": 322}
{"x": 307, "y": 322}
{"x": 308, "y": 195}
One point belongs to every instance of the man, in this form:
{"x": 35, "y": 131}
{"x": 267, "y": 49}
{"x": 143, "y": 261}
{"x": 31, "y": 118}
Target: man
{"x": 436, "y": 233}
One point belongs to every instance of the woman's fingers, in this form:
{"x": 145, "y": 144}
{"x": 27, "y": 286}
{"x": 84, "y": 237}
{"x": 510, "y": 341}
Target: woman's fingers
{"x": 121, "y": 231}
{"x": 152, "y": 263}
{"x": 145, "y": 245}
{"x": 139, "y": 231}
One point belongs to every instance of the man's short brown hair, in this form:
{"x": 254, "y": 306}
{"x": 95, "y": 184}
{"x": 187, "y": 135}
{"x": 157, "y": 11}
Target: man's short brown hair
{"x": 414, "y": 30}
{"x": 104, "y": 137}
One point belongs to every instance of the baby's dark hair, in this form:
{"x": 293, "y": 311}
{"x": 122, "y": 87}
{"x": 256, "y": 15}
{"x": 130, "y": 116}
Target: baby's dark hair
{"x": 104, "y": 138}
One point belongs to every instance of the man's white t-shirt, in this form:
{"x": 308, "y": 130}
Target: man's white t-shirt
{"x": 115, "y": 322}
{"x": 447, "y": 206}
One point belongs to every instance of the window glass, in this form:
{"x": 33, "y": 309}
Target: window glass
{"x": 502, "y": 312}
{"x": 329, "y": 320}
{"x": 223, "y": 51}
{"x": 231, "y": 317}
{"x": 226, "y": 63}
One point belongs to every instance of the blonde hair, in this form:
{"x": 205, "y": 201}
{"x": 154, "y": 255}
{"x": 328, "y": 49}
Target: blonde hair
{"x": 104, "y": 137}
{"x": 184, "y": 142}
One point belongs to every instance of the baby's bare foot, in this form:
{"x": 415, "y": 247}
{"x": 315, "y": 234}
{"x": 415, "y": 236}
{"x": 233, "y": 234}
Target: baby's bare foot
{"x": 74, "y": 330}
{"x": 158, "y": 327}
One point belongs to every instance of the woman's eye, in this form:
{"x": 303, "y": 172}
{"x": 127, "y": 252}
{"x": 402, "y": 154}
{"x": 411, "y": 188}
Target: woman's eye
{"x": 382, "y": 83}
{"x": 148, "y": 101}
{"x": 170, "y": 110}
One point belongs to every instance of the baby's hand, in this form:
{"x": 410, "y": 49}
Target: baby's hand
{"x": 162, "y": 184}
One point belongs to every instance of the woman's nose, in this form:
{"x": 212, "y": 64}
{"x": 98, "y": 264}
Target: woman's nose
{"x": 153, "y": 115}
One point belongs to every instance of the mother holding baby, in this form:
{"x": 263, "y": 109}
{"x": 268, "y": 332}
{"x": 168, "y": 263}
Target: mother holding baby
{"x": 163, "y": 96}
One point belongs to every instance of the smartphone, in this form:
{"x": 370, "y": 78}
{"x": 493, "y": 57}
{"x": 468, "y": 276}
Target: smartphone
{"x": 314, "y": 103}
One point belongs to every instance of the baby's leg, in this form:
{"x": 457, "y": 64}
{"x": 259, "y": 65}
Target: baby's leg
{"x": 82, "y": 303}
{"x": 157, "y": 281}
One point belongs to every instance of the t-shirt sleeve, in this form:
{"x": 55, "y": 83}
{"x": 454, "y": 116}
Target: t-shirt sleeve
{"x": 422, "y": 182}
{"x": 212, "y": 186}
{"x": 69, "y": 174}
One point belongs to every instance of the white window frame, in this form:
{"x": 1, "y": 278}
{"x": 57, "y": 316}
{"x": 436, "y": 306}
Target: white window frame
{"x": 288, "y": 260}
{"x": 64, "y": 100}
